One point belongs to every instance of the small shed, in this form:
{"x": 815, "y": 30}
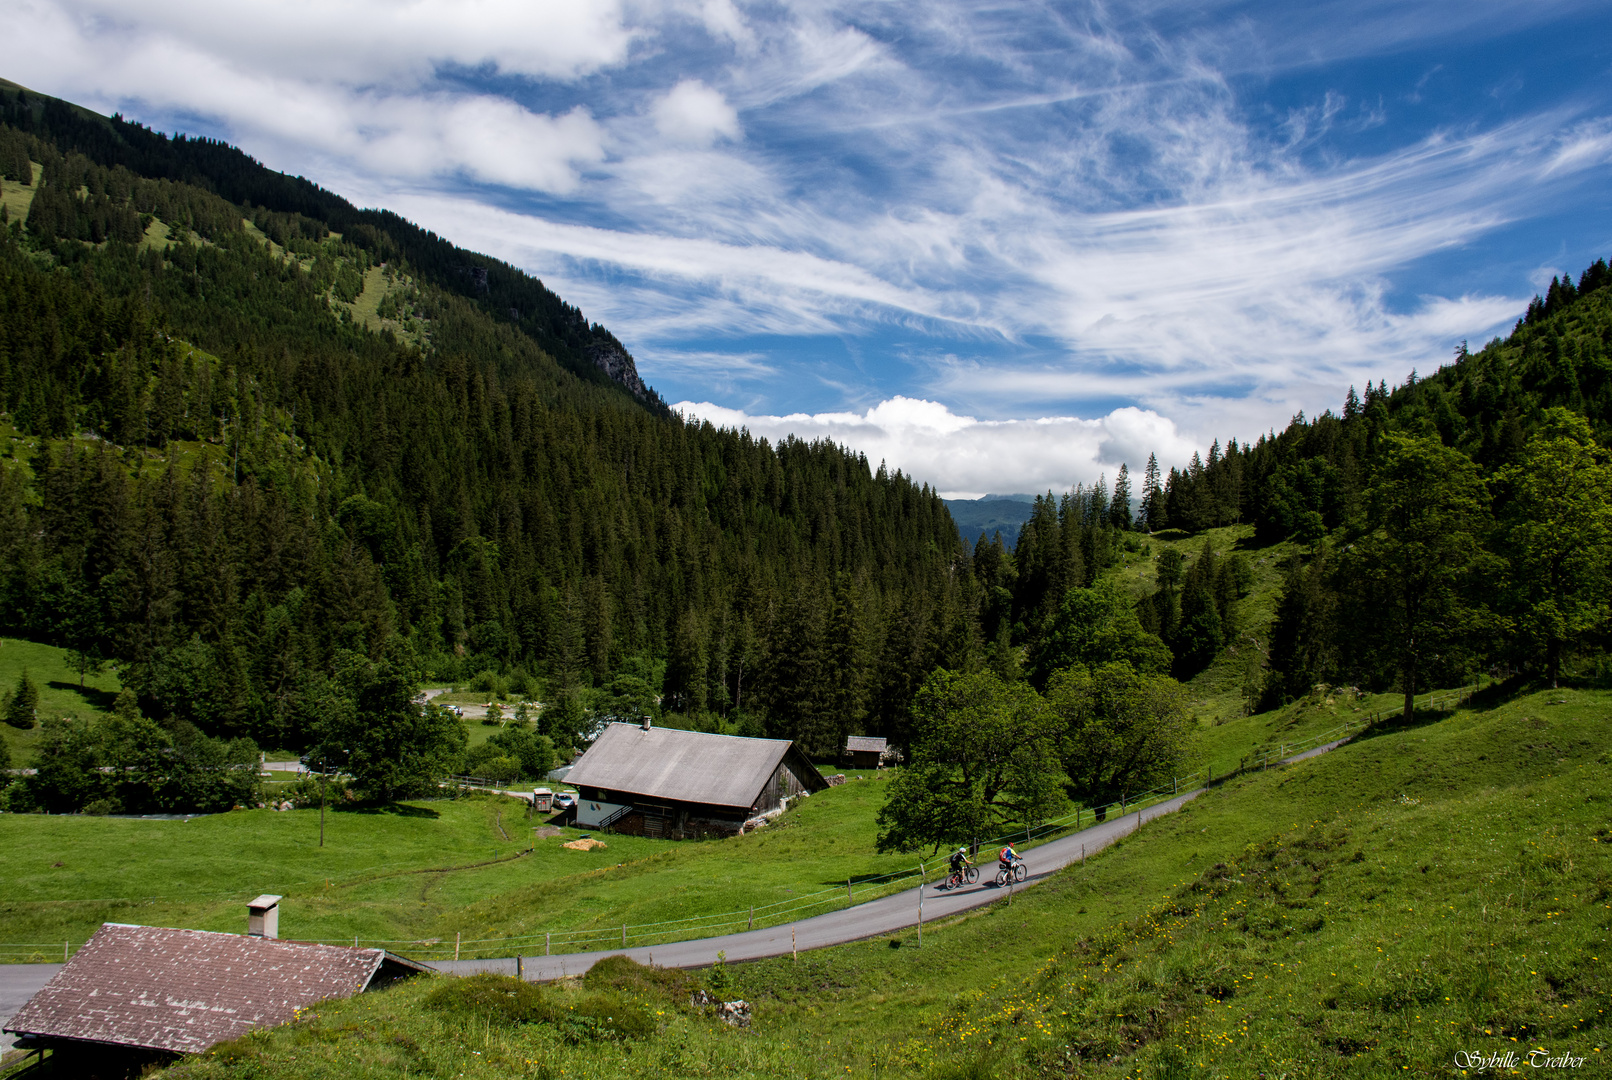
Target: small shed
{"x": 865, "y": 750}
{"x": 665, "y": 782}
{"x": 151, "y": 993}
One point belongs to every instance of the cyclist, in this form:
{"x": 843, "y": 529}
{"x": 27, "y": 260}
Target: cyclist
{"x": 959, "y": 860}
{"x": 1007, "y": 857}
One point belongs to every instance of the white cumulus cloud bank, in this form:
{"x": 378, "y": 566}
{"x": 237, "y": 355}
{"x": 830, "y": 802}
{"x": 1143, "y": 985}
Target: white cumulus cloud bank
{"x": 354, "y": 85}
{"x": 1050, "y": 209}
{"x": 963, "y": 457}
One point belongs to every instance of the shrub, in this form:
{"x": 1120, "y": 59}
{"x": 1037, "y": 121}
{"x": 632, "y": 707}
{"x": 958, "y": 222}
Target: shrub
{"x": 717, "y": 980}
{"x": 496, "y": 999}
{"x": 623, "y": 974}
{"x": 499, "y": 999}
{"x": 304, "y": 791}
{"x": 489, "y": 682}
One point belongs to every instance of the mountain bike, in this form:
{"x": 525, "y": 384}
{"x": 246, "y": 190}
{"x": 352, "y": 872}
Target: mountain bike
{"x": 969, "y": 874}
{"x": 1005, "y": 874}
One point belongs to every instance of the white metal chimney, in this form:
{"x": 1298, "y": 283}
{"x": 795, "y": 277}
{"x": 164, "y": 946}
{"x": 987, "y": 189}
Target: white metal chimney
{"x": 263, "y": 917}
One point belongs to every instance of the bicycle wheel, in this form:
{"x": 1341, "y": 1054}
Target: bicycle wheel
{"x": 973, "y": 874}
{"x": 1019, "y": 872}
{"x": 1001, "y": 878}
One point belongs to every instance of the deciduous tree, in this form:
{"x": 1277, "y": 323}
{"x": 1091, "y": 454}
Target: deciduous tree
{"x": 982, "y": 756}
{"x": 1558, "y": 529}
{"x": 1120, "y": 730}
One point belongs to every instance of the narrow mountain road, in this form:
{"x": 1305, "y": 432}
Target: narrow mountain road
{"x": 883, "y": 916}
{"x": 886, "y": 915}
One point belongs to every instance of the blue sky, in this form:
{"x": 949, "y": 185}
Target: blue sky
{"x": 1003, "y": 247}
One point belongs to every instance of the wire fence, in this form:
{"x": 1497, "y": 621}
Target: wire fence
{"x": 856, "y": 889}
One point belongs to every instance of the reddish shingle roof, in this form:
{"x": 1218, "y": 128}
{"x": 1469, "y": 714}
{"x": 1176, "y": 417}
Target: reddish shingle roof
{"x": 184, "y": 990}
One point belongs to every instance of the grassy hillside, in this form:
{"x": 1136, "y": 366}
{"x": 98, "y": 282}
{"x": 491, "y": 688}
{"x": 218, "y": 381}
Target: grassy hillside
{"x": 59, "y": 692}
{"x": 1425, "y": 891}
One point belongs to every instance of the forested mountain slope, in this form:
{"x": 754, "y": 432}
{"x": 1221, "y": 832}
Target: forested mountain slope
{"x": 252, "y": 427}
{"x": 1455, "y": 523}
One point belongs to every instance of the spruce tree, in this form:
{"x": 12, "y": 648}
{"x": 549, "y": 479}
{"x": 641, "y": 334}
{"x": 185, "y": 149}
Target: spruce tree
{"x": 1152, "y": 497}
{"x": 1119, "y": 511}
{"x": 23, "y": 703}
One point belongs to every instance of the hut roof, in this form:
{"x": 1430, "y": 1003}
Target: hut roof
{"x": 185, "y": 990}
{"x": 872, "y": 743}
{"x": 685, "y": 766}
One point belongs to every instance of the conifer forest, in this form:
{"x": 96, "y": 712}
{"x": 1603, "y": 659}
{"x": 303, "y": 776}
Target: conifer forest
{"x": 257, "y": 440}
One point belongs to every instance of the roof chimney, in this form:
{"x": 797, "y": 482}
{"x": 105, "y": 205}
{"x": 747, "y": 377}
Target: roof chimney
{"x": 647, "y": 723}
{"x": 263, "y": 917}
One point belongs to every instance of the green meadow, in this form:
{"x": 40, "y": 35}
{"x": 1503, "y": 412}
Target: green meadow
{"x": 420, "y": 873}
{"x": 1423, "y": 894}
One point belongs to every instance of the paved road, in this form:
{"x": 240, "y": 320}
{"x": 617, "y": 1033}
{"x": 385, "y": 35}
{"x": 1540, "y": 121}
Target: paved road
{"x": 18, "y": 983}
{"x": 883, "y": 916}
{"x": 888, "y": 915}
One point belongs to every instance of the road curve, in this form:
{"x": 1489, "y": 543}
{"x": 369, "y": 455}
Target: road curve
{"x": 886, "y": 915}
{"x": 883, "y": 916}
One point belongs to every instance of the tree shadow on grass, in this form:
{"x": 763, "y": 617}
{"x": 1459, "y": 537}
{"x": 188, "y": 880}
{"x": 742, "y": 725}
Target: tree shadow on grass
{"x": 94, "y": 698}
{"x": 393, "y": 810}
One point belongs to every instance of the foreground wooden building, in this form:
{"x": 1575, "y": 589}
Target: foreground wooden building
{"x": 663, "y": 782}
{"x": 136, "y": 995}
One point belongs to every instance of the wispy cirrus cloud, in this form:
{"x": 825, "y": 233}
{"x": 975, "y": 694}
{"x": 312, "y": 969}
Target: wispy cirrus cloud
{"x": 1212, "y": 216}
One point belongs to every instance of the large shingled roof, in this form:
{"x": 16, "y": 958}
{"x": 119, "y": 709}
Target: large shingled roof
{"x": 185, "y": 990}
{"x": 684, "y": 766}
{"x": 865, "y": 743}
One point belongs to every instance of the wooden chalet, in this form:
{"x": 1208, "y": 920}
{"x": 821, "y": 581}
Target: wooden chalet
{"x": 865, "y": 751}
{"x": 663, "y": 782}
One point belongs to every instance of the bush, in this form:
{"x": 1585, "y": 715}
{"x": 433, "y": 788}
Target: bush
{"x": 304, "y": 791}
{"x": 496, "y": 999}
{"x": 500, "y": 770}
{"x": 623, "y": 974}
{"x": 718, "y": 982}
{"x": 501, "y": 1000}
{"x": 489, "y": 682}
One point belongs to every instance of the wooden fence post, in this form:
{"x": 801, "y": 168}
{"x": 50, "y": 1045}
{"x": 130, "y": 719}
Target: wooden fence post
{"x": 456, "y": 947}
